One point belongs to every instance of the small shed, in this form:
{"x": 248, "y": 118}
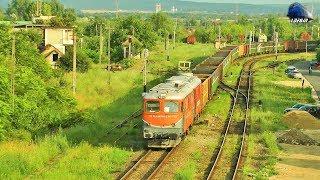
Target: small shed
{"x": 52, "y": 55}
{"x": 191, "y": 39}
{"x": 262, "y": 38}
{"x": 221, "y": 43}
{"x": 128, "y": 49}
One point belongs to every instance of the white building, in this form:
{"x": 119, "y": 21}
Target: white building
{"x": 55, "y": 42}
{"x": 174, "y": 9}
{"x": 158, "y": 7}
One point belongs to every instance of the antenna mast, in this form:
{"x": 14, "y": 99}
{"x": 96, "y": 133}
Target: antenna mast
{"x": 117, "y": 10}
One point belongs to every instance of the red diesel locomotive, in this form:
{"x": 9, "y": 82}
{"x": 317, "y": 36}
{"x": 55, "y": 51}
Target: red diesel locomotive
{"x": 170, "y": 108}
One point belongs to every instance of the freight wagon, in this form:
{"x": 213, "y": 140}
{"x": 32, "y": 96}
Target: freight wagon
{"x": 170, "y": 108}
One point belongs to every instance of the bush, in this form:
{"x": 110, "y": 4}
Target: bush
{"x": 127, "y": 63}
{"x": 318, "y": 55}
{"x": 83, "y": 61}
{"x": 186, "y": 172}
{"x": 205, "y": 35}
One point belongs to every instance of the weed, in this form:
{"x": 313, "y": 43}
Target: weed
{"x": 187, "y": 172}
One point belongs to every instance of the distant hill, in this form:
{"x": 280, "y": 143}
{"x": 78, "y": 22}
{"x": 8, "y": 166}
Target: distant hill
{"x": 185, "y": 6}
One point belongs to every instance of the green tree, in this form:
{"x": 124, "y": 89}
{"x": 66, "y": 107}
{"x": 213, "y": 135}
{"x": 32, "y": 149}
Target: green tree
{"x": 83, "y": 61}
{"x": 46, "y": 9}
{"x": 1, "y": 15}
{"x": 40, "y": 103}
{"x": 69, "y": 17}
{"x": 5, "y": 96}
{"x": 141, "y": 29}
{"x": 117, "y": 38}
{"x": 162, "y": 23}
{"x": 318, "y": 55}
{"x": 57, "y": 9}
{"x": 205, "y": 35}
{"x": 21, "y": 8}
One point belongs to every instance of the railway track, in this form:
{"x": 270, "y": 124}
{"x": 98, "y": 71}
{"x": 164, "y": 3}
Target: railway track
{"x": 135, "y": 114}
{"x": 241, "y": 100}
{"x": 148, "y": 164}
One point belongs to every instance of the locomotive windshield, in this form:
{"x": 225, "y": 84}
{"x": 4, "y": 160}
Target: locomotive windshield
{"x": 153, "y": 106}
{"x": 171, "y": 107}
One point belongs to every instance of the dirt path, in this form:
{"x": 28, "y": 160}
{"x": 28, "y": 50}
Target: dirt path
{"x": 298, "y": 162}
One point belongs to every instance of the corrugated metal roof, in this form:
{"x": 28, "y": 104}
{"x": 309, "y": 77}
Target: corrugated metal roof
{"x": 176, "y": 87}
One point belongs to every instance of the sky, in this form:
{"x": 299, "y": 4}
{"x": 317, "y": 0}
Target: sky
{"x": 256, "y": 1}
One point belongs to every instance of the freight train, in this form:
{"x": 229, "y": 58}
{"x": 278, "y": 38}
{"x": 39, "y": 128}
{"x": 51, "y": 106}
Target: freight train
{"x": 170, "y": 108}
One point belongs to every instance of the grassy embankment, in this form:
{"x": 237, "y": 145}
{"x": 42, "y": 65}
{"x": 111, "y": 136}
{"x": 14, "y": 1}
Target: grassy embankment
{"x": 200, "y": 144}
{"x": 86, "y": 150}
{"x": 264, "y": 123}
{"x": 262, "y": 145}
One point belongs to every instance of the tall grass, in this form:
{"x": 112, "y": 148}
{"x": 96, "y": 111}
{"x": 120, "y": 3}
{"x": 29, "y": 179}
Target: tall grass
{"x": 266, "y": 120}
{"x": 19, "y": 159}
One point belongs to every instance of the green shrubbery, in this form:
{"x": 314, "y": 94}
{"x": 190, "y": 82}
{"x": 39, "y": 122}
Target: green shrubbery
{"x": 318, "y": 55}
{"x": 83, "y": 61}
{"x": 38, "y": 103}
{"x": 21, "y": 159}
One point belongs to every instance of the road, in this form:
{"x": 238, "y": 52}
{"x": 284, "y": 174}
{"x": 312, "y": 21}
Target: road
{"x": 313, "y": 78}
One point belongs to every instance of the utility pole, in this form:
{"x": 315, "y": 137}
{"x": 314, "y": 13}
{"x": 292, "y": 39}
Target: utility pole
{"x": 174, "y": 34}
{"x": 39, "y": 8}
{"x": 117, "y": 11}
{"x": 245, "y": 37}
{"x": 250, "y": 42}
{"x": 237, "y": 13}
{"x": 219, "y": 36}
{"x": 312, "y": 33}
{"x": 130, "y": 46}
{"x": 253, "y": 33}
{"x": 101, "y": 45}
{"x": 13, "y": 58}
{"x": 167, "y": 47}
{"x": 145, "y": 56}
{"x": 277, "y": 40}
{"x": 74, "y": 72}
{"x": 109, "y": 55}
{"x": 274, "y": 33}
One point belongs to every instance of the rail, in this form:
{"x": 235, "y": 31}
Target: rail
{"x": 226, "y": 132}
{"x": 154, "y": 169}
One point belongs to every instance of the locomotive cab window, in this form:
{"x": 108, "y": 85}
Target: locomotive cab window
{"x": 171, "y": 107}
{"x": 153, "y": 106}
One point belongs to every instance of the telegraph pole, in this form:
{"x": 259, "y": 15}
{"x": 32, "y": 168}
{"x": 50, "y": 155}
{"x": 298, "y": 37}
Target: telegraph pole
{"x": 145, "y": 56}
{"x": 312, "y": 33}
{"x": 167, "y": 47}
{"x": 274, "y": 33}
{"x": 253, "y": 33}
{"x": 101, "y": 45}
{"x": 74, "y": 72}
{"x": 109, "y": 55}
{"x": 117, "y": 11}
{"x": 250, "y": 42}
{"x": 13, "y": 58}
{"x": 219, "y": 36}
{"x": 277, "y": 40}
{"x": 174, "y": 34}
